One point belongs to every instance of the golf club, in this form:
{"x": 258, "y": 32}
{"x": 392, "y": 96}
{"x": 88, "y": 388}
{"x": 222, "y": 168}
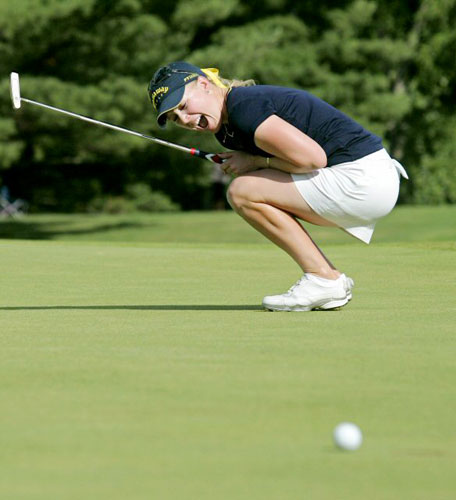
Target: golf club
{"x": 17, "y": 99}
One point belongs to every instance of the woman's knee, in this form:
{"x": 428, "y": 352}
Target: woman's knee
{"x": 240, "y": 192}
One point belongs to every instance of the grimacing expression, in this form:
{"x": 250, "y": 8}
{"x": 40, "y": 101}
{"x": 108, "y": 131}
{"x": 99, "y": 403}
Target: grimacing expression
{"x": 200, "y": 108}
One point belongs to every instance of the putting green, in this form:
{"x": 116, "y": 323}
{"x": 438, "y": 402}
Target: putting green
{"x": 144, "y": 368}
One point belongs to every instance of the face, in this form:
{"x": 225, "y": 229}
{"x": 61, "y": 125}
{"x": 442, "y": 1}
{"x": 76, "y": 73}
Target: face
{"x": 201, "y": 107}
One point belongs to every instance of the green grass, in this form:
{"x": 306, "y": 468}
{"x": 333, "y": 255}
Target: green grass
{"x": 404, "y": 224}
{"x": 136, "y": 362}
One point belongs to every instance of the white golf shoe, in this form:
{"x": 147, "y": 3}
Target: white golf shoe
{"x": 312, "y": 292}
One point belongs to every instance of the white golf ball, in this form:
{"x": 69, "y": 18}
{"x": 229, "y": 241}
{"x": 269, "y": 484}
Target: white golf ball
{"x": 348, "y": 436}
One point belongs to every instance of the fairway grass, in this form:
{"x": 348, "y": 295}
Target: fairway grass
{"x": 139, "y": 366}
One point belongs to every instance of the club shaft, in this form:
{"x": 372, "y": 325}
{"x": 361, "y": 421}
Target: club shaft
{"x": 113, "y": 127}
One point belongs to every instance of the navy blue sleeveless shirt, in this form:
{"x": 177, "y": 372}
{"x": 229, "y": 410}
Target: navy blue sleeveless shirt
{"x": 342, "y": 138}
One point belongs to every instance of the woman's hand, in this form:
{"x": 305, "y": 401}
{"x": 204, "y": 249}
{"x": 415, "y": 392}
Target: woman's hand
{"x": 238, "y": 163}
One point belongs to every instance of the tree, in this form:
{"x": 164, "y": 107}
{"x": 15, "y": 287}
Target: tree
{"x": 89, "y": 57}
{"x": 430, "y": 135}
{"x": 388, "y": 64}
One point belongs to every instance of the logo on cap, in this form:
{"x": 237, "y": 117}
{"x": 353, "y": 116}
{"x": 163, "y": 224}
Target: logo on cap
{"x": 158, "y": 95}
{"x": 191, "y": 76}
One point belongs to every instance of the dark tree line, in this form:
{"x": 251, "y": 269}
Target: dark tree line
{"x": 390, "y": 65}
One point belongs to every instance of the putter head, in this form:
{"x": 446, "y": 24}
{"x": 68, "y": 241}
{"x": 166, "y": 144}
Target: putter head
{"x": 15, "y": 91}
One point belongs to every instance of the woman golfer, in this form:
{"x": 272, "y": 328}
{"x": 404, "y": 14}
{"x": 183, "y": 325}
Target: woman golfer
{"x": 293, "y": 157}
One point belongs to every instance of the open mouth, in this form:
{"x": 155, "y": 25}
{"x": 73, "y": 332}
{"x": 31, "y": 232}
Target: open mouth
{"x": 203, "y": 123}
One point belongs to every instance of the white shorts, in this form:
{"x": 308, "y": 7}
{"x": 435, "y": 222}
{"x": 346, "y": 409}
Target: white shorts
{"x": 355, "y": 194}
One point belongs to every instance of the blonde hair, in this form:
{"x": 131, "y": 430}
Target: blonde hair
{"x": 213, "y": 76}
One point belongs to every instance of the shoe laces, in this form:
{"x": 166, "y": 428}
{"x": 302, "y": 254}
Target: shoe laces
{"x": 298, "y": 283}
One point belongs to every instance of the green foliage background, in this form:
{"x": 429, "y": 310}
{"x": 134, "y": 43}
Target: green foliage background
{"x": 388, "y": 64}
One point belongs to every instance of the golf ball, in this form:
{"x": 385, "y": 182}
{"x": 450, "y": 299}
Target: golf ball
{"x": 348, "y": 436}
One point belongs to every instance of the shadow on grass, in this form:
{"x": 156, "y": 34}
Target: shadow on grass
{"x": 165, "y": 307}
{"x": 45, "y": 231}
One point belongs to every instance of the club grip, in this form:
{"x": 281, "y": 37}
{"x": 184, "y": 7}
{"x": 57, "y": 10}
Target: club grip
{"x": 214, "y": 158}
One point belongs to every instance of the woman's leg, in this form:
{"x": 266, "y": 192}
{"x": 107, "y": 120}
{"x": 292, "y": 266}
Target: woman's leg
{"x": 269, "y": 201}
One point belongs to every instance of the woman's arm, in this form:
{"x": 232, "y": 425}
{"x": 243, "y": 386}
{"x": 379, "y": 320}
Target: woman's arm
{"x": 293, "y": 151}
